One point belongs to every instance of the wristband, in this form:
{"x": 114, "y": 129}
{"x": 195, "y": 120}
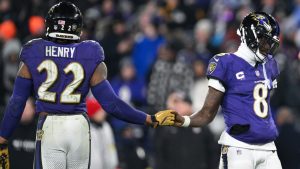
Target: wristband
{"x": 153, "y": 118}
{"x": 187, "y": 121}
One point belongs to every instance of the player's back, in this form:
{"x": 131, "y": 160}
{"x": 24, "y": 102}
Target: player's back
{"x": 61, "y": 73}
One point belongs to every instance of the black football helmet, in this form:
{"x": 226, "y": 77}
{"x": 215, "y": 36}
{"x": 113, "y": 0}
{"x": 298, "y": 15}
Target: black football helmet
{"x": 64, "y": 21}
{"x": 260, "y": 32}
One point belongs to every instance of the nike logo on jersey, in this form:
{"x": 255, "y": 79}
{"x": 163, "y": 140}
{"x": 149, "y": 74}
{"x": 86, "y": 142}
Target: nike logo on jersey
{"x": 56, "y": 51}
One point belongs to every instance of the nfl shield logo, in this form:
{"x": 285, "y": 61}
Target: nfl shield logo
{"x": 257, "y": 73}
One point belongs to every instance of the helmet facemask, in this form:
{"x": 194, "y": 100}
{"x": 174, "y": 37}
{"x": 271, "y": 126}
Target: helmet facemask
{"x": 266, "y": 44}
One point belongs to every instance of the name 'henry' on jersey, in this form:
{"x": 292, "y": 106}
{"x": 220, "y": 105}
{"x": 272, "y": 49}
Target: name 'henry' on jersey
{"x": 61, "y": 73}
{"x": 247, "y": 96}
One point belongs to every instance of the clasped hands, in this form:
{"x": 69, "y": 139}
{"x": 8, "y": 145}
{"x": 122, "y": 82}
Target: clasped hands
{"x": 167, "y": 118}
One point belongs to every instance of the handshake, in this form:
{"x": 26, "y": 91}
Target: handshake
{"x": 167, "y": 118}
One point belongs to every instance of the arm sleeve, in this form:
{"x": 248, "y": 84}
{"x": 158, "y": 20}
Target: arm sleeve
{"x": 13, "y": 112}
{"x": 112, "y": 104}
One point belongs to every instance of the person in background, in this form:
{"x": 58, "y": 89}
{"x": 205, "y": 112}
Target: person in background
{"x": 1, "y": 85}
{"x": 145, "y": 47}
{"x": 290, "y": 76}
{"x": 131, "y": 142}
{"x": 170, "y": 72}
{"x": 158, "y": 87}
{"x": 199, "y": 88}
{"x": 130, "y": 139}
{"x": 103, "y": 150}
{"x": 128, "y": 86}
{"x": 198, "y": 92}
{"x": 203, "y": 32}
{"x": 117, "y": 44}
{"x": 10, "y": 52}
{"x": 288, "y": 149}
{"x": 184, "y": 148}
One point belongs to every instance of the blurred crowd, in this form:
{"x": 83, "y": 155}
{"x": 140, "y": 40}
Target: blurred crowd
{"x": 157, "y": 53}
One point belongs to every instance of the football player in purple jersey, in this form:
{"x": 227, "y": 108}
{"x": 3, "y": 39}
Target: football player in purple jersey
{"x": 241, "y": 83}
{"x": 61, "y": 70}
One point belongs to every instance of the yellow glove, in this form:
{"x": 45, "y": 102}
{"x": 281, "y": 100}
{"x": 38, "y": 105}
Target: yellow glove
{"x": 163, "y": 118}
{"x": 4, "y": 158}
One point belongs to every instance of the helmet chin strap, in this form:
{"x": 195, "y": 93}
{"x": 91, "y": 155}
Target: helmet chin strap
{"x": 256, "y": 54}
{"x": 259, "y": 57}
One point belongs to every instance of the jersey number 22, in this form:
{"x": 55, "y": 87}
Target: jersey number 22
{"x": 68, "y": 95}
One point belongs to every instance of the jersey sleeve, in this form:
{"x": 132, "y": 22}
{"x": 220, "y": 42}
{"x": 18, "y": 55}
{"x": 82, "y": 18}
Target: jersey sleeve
{"x": 27, "y": 50}
{"x": 24, "y": 53}
{"x": 99, "y": 52}
{"x": 217, "y": 69}
{"x": 275, "y": 69}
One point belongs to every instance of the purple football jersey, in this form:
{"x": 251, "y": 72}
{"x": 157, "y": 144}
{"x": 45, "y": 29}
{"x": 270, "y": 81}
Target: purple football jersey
{"x": 61, "y": 73}
{"x": 247, "y": 97}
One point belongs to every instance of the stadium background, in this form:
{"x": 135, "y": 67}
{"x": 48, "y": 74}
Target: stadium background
{"x": 156, "y": 53}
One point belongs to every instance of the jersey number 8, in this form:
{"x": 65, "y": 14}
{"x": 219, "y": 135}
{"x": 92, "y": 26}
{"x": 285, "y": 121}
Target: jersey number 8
{"x": 68, "y": 95}
{"x": 260, "y": 106}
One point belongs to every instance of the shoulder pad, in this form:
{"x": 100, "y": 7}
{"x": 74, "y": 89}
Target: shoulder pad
{"x": 32, "y": 42}
{"x": 225, "y": 58}
{"x": 221, "y": 56}
{"x": 97, "y": 50}
{"x": 274, "y": 68}
{"x": 90, "y": 42}
{"x": 26, "y": 50}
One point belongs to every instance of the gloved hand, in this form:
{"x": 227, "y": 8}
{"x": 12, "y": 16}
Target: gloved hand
{"x": 4, "y": 156}
{"x": 163, "y": 118}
